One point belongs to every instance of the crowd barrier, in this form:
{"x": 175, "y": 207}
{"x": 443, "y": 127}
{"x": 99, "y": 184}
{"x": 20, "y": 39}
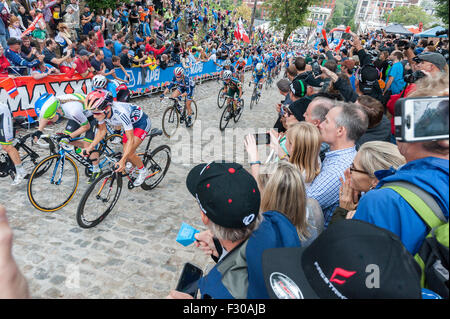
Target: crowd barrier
{"x": 21, "y": 93}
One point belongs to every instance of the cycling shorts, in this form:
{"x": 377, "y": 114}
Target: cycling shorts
{"x": 72, "y": 126}
{"x": 183, "y": 90}
{"x": 6, "y": 127}
{"x": 258, "y": 78}
{"x": 232, "y": 91}
{"x": 141, "y": 128}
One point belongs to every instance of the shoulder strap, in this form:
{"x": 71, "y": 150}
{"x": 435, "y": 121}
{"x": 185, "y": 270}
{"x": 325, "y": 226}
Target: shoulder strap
{"x": 422, "y": 202}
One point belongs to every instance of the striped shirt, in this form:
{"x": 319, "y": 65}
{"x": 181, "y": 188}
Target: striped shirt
{"x": 325, "y": 187}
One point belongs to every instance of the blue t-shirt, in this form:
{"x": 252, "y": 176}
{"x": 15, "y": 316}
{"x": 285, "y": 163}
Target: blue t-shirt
{"x": 107, "y": 52}
{"x": 397, "y": 73}
{"x": 117, "y": 47}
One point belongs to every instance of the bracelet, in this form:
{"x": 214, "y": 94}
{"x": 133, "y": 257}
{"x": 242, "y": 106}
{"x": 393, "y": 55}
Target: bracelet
{"x": 254, "y": 163}
{"x": 284, "y": 156}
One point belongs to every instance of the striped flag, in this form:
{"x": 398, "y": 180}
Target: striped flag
{"x": 10, "y": 86}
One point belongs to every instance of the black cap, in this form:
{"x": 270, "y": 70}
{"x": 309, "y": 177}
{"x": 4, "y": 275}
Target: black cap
{"x": 12, "y": 41}
{"x": 298, "y": 87}
{"x": 369, "y": 74}
{"x": 83, "y": 52}
{"x": 226, "y": 192}
{"x": 339, "y": 264}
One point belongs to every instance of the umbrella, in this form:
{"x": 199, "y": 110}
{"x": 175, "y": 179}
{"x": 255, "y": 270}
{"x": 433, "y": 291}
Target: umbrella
{"x": 397, "y": 29}
{"x": 431, "y": 33}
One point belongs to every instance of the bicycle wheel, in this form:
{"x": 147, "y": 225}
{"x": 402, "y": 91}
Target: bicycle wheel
{"x": 238, "y": 116}
{"x": 194, "y": 112}
{"x": 99, "y": 199}
{"x": 226, "y": 117}
{"x": 170, "y": 121}
{"x": 221, "y": 99}
{"x": 157, "y": 164}
{"x": 112, "y": 144}
{"x": 253, "y": 98}
{"x": 54, "y": 188}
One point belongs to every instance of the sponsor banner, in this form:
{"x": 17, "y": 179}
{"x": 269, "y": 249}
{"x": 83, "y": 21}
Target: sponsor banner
{"x": 142, "y": 81}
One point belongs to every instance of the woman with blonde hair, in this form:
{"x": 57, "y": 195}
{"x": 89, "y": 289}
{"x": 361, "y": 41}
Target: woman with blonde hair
{"x": 360, "y": 177}
{"x": 283, "y": 190}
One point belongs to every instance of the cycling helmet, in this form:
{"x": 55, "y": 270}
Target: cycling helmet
{"x": 99, "y": 81}
{"x": 259, "y": 66}
{"x": 98, "y": 100}
{"x": 179, "y": 71}
{"x": 241, "y": 59}
{"x": 227, "y": 63}
{"x": 227, "y": 75}
{"x": 46, "y": 106}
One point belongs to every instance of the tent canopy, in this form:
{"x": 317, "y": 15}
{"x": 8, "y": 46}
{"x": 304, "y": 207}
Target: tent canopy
{"x": 397, "y": 29}
{"x": 431, "y": 33}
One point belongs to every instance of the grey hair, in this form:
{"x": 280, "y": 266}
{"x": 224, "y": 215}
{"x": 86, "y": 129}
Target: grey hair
{"x": 235, "y": 234}
{"x": 320, "y": 111}
{"x": 354, "y": 118}
{"x": 379, "y": 155}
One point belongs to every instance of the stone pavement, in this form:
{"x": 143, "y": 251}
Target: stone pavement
{"x": 133, "y": 252}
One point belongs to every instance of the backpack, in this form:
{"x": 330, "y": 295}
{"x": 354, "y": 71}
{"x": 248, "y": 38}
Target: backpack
{"x": 433, "y": 255}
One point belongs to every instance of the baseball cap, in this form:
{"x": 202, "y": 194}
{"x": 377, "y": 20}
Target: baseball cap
{"x": 298, "y": 87}
{"x": 83, "y": 53}
{"x": 13, "y": 40}
{"x": 283, "y": 85}
{"x": 338, "y": 265}
{"x": 436, "y": 58}
{"x": 369, "y": 73}
{"x": 226, "y": 193}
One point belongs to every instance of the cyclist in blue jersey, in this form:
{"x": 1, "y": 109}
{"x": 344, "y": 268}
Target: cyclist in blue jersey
{"x": 259, "y": 75}
{"x": 271, "y": 64}
{"x": 185, "y": 88}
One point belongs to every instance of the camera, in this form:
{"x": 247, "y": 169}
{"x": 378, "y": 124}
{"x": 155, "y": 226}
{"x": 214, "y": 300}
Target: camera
{"x": 411, "y": 77}
{"x": 316, "y": 68}
{"x": 421, "y": 119}
{"x": 438, "y": 33}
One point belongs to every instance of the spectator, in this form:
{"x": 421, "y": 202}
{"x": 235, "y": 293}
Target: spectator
{"x": 284, "y": 192}
{"x": 395, "y": 83}
{"x": 312, "y": 272}
{"x": 18, "y": 64}
{"x": 343, "y": 126}
{"x": 50, "y": 56}
{"x": 361, "y": 177}
{"x": 126, "y": 57}
{"x": 4, "y": 17}
{"x": 284, "y": 89}
{"x": 14, "y": 28}
{"x": 97, "y": 62}
{"x": 347, "y": 67}
{"x": 234, "y": 230}
{"x": 379, "y": 125}
{"x": 83, "y": 66}
{"x": 427, "y": 167}
{"x": 108, "y": 49}
{"x": 72, "y": 19}
{"x": 13, "y": 284}
{"x": 4, "y": 63}
{"x": 43, "y": 70}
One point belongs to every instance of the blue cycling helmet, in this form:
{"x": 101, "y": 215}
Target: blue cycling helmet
{"x": 46, "y": 106}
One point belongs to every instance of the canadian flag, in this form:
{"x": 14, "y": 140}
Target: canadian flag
{"x": 243, "y": 33}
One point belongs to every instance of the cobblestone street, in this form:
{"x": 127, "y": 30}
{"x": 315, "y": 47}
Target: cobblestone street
{"x": 133, "y": 253}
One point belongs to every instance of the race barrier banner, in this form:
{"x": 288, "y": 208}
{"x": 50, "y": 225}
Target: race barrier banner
{"x": 21, "y": 96}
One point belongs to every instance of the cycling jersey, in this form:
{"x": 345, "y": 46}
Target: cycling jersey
{"x": 234, "y": 83}
{"x": 185, "y": 84}
{"x": 124, "y": 114}
{"x": 112, "y": 87}
{"x": 271, "y": 63}
{"x": 74, "y": 110}
{"x": 6, "y": 125}
{"x": 259, "y": 74}
{"x": 240, "y": 65}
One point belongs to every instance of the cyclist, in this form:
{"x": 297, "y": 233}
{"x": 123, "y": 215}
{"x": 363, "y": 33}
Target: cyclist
{"x": 185, "y": 88}
{"x": 6, "y": 141}
{"x": 240, "y": 66}
{"x": 258, "y": 75}
{"x": 80, "y": 121}
{"x": 234, "y": 86}
{"x": 271, "y": 64}
{"x": 227, "y": 66}
{"x": 135, "y": 122}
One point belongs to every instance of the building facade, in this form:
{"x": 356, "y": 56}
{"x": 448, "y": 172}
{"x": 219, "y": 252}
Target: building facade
{"x": 372, "y": 12}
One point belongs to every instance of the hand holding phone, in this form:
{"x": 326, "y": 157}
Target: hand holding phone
{"x": 262, "y": 139}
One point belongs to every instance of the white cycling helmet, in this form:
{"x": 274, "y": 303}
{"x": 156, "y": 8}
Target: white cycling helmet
{"x": 99, "y": 81}
{"x": 241, "y": 59}
{"x": 227, "y": 75}
{"x": 259, "y": 66}
{"x": 179, "y": 71}
{"x": 227, "y": 63}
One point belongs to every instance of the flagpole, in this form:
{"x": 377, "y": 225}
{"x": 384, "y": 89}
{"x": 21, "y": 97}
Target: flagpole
{"x": 252, "y": 20}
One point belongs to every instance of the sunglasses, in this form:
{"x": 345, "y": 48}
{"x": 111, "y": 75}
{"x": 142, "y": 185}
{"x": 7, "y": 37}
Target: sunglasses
{"x": 353, "y": 169}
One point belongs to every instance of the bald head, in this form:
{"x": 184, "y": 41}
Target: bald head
{"x": 317, "y": 110}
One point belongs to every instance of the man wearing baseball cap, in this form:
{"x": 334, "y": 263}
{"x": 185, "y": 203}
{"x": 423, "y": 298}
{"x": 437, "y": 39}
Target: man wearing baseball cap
{"x": 350, "y": 260}
{"x": 431, "y": 62}
{"x": 229, "y": 200}
{"x": 299, "y": 92}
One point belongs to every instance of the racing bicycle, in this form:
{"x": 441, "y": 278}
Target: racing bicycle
{"x": 175, "y": 114}
{"x": 231, "y": 112}
{"x": 221, "y": 98}
{"x": 256, "y": 96}
{"x": 102, "y": 195}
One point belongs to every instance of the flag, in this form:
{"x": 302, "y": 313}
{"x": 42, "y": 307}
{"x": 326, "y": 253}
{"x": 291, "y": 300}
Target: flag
{"x": 237, "y": 33}
{"x": 10, "y": 86}
{"x": 243, "y": 33}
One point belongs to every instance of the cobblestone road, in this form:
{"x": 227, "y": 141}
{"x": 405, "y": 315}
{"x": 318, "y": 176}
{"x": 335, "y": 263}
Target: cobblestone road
{"x": 133, "y": 253}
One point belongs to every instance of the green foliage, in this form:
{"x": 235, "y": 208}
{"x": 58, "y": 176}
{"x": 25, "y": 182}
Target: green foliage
{"x": 442, "y": 10}
{"x": 288, "y": 15}
{"x": 343, "y": 14}
{"x": 104, "y": 4}
{"x": 412, "y": 15}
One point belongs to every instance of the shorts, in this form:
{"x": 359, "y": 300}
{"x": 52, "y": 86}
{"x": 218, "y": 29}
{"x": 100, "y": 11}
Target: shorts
{"x": 232, "y": 92}
{"x": 258, "y": 78}
{"x": 6, "y": 127}
{"x": 141, "y": 129}
{"x": 72, "y": 126}
{"x": 189, "y": 96}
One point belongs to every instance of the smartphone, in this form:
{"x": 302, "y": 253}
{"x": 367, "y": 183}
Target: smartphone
{"x": 347, "y": 36}
{"x": 316, "y": 68}
{"x": 262, "y": 138}
{"x": 188, "y": 282}
{"x": 421, "y": 119}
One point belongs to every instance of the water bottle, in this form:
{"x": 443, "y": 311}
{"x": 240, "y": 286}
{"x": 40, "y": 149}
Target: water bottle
{"x": 128, "y": 167}
{"x": 78, "y": 150}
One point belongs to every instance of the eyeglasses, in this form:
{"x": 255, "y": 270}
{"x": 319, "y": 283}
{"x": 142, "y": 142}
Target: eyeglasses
{"x": 353, "y": 169}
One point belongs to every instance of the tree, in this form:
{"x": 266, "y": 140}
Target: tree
{"x": 104, "y": 4}
{"x": 287, "y": 15}
{"x": 412, "y": 15}
{"x": 244, "y": 12}
{"x": 343, "y": 14}
{"x": 442, "y": 10}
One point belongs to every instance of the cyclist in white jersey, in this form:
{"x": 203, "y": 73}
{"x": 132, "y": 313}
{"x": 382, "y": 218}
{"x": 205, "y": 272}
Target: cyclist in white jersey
{"x": 6, "y": 140}
{"x": 135, "y": 122}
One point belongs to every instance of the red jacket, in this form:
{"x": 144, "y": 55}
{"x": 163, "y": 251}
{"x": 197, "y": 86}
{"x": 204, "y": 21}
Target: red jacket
{"x": 156, "y": 52}
{"x": 4, "y": 63}
{"x": 391, "y": 103}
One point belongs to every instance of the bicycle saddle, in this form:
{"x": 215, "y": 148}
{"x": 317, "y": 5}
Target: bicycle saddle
{"x": 155, "y": 132}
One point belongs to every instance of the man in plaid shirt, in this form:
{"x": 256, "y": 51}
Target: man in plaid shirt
{"x": 343, "y": 125}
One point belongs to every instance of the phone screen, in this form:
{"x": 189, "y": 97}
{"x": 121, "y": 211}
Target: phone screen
{"x": 262, "y": 138}
{"x": 430, "y": 117}
{"x": 188, "y": 282}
